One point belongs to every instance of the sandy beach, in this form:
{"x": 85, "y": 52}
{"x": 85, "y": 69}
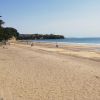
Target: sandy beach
{"x": 44, "y": 72}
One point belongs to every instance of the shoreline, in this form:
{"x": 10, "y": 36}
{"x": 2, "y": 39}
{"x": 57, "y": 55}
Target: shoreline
{"x": 61, "y": 43}
{"x": 85, "y": 51}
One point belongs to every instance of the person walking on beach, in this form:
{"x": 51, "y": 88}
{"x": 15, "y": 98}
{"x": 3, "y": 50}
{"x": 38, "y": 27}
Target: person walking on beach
{"x": 32, "y": 44}
{"x": 4, "y": 44}
{"x": 57, "y": 46}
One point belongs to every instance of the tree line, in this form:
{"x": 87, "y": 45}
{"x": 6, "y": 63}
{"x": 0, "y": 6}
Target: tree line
{"x": 7, "y": 33}
{"x": 39, "y": 36}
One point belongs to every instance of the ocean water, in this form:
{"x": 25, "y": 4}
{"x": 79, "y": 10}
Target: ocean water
{"x": 73, "y": 41}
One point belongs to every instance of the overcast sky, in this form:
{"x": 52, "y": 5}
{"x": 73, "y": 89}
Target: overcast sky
{"x": 72, "y": 18}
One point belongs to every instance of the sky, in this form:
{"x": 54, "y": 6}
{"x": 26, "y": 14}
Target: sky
{"x": 71, "y": 18}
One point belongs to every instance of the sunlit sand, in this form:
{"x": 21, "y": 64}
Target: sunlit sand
{"x": 43, "y": 72}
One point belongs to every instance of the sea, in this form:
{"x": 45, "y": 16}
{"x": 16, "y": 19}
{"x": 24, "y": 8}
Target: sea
{"x": 90, "y": 41}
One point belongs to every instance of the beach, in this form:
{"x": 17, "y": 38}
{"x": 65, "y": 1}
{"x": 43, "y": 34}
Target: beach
{"x": 44, "y": 72}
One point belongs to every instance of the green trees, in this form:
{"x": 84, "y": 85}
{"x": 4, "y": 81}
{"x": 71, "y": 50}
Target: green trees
{"x": 1, "y": 34}
{"x": 10, "y": 32}
{"x": 7, "y": 32}
{"x": 1, "y": 23}
{"x": 39, "y": 36}
{"x": 1, "y": 29}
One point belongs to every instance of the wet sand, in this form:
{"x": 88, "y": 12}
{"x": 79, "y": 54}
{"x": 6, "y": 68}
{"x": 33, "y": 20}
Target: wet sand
{"x": 43, "y": 72}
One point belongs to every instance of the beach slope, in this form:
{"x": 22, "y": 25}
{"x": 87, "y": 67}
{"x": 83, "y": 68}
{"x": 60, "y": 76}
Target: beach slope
{"x": 36, "y": 73}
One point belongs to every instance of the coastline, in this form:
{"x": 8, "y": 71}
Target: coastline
{"x": 78, "y": 50}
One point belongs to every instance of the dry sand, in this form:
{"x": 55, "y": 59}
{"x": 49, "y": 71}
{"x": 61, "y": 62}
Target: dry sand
{"x": 46, "y": 73}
